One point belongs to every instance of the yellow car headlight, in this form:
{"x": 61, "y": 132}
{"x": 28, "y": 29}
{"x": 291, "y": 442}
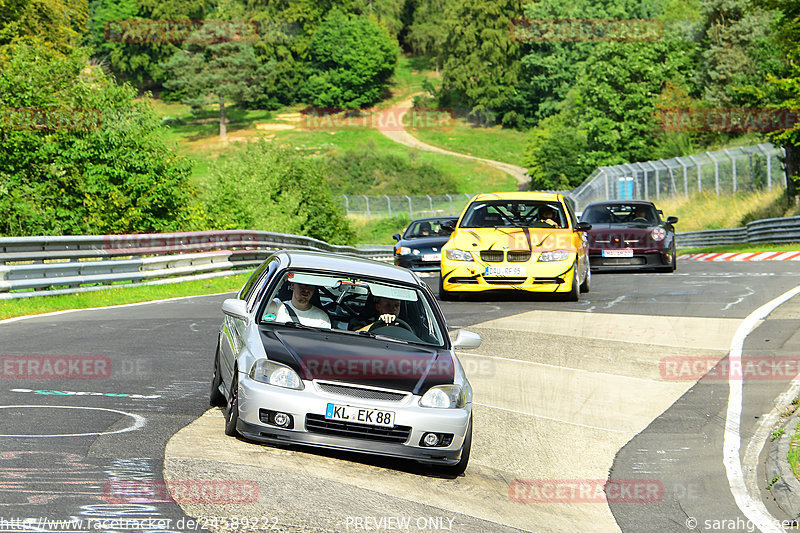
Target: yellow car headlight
{"x": 555, "y": 255}
{"x": 455, "y": 254}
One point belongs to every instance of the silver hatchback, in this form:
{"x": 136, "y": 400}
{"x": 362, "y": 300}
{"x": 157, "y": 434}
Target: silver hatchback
{"x": 339, "y": 352}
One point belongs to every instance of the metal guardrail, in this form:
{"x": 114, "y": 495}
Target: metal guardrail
{"x": 33, "y": 264}
{"x": 768, "y": 230}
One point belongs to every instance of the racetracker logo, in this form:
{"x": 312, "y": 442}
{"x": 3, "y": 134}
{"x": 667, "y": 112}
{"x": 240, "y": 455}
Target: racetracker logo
{"x": 586, "y": 491}
{"x": 736, "y": 120}
{"x": 181, "y": 492}
{"x": 55, "y": 366}
{"x": 556, "y": 30}
{"x": 49, "y": 119}
{"x": 749, "y": 368}
{"x": 210, "y": 240}
{"x": 393, "y": 119}
{"x": 390, "y": 367}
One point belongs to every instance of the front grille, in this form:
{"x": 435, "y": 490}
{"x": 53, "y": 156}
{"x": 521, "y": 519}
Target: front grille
{"x": 618, "y": 261}
{"x": 518, "y": 257}
{"x": 319, "y": 424}
{"x": 362, "y": 394}
{"x": 492, "y": 256}
{"x": 547, "y": 281}
{"x": 504, "y": 281}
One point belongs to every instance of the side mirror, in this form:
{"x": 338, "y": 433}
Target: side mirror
{"x": 672, "y": 220}
{"x": 466, "y": 340}
{"x": 236, "y": 308}
{"x": 583, "y": 226}
{"x": 396, "y": 236}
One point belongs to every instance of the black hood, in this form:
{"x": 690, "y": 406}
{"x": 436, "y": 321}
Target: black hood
{"x": 358, "y": 360}
{"x": 424, "y": 242}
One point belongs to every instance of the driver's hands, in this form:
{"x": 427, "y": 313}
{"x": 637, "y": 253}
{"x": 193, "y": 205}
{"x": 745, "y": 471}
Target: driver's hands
{"x": 387, "y": 318}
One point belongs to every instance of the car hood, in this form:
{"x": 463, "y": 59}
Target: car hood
{"x": 358, "y": 360}
{"x": 424, "y": 242}
{"x": 634, "y": 235}
{"x": 505, "y": 238}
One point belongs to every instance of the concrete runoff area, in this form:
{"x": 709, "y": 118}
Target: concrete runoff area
{"x": 556, "y": 395}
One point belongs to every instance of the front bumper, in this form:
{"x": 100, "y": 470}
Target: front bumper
{"x": 415, "y": 263}
{"x": 641, "y": 260}
{"x": 545, "y": 277}
{"x": 255, "y": 397}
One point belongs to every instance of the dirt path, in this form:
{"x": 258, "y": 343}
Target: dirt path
{"x": 398, "y": 134}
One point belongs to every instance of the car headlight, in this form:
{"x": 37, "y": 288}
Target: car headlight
{"x": 658, "y": 234}
{"x": 555, "y": 255}
{"x": 455, "y": 254}
{"x": 404, "y": 250}
{"x": 276, "y": 374}
{"x": 444, "y": 397}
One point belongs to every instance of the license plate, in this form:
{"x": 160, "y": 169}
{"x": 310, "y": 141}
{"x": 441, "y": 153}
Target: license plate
{"x": 431, "y": 257}
{"x": 360, "y": 415}
{"x": 504, "y": 271}
{"x": 627, "y": 252}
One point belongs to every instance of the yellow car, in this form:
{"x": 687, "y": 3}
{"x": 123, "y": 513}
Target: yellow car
{"x": 528, "y": 241}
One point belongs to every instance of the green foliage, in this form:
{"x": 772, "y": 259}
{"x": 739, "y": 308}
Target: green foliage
{"x": 351, "y": 61}
{"x": 367, "y": 170}
{"x": 380, "y": 230}
{"x": 104, "y": 167}
{"x": 481, "y": 61}
{"x": 58, "y": 23}
{"x": 261, "y": 187}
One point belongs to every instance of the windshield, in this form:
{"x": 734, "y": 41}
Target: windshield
{"x": 620, "y": 214}
{"x": 430, "y": 227}
{"x": 514, "y": 213}
{"x": 344, "y": 304}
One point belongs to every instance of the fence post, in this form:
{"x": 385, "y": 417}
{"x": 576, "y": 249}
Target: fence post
{"x": 366, "y": 198}
{"x": 699, "y": 173}
{"x": 430, "y": 203}
{"x": 733, "y": 163}
{"x": 646, "y": 185}
{"x": 716, "y": 170}
{"x": 410, "y": 209}
{"x": 769, "y": 165}
{"x": 658, "y": 181}
{"x": 388, "y": 204}
{"x": 685, "y": 176}
{"x": 450, "y": 198}
{"x": 605, "y": 177}
{"x": 346, "y": 204}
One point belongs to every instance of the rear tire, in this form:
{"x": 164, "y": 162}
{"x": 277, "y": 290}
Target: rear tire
{"x": 586, "y": 286}
{"x": 216, "y": 398}
{"x": 232, "y": 407}
{"x": 459, "y": 468}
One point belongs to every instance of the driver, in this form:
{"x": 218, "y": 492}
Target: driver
{"x": 548, "y": 216}
{"x": 388, "y": 310}
{"x": 299, "y": 308}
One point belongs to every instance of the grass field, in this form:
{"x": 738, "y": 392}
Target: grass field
{"x": 742, "y": 248}
{"x": 495, "y": 143}
{"x": 706, "y": 210}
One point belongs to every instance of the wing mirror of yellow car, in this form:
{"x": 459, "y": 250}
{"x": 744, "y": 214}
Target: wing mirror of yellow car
{"x": 583, "y": 226}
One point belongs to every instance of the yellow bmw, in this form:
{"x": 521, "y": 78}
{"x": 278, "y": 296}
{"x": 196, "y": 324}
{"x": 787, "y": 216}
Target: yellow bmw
{"x": 528, "y": 241}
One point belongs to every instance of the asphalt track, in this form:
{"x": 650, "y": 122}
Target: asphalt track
{"x": 564, "y": 394}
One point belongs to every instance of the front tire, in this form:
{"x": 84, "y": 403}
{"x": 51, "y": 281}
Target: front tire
{"x": 586, "y": 286}
{"x": 459, "y": 468}
{"x": 574, "y": 294}
{"x": 444, "y": 295}
{"x": 232, "y": 407}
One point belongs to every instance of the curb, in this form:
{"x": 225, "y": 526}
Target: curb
{"x": 745, "y": 256}
{"x": 786, "y": 490}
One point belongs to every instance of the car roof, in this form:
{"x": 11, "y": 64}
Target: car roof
{"x": 621, "y": 202}
{"x": 344, "y": 263}
{"x": 518, "y": 195}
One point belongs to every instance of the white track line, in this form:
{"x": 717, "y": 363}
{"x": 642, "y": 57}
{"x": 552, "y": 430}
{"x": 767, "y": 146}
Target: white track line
{"x": 752, "y": 508}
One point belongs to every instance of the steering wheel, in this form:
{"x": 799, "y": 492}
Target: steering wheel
{"x": 381, "y": 324}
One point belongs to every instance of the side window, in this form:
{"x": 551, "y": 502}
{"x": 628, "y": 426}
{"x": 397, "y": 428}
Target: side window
{"x": 253, "y": 297}
{"x": 248, "y": 286}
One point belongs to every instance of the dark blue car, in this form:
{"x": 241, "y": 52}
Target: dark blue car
{"x": 420, "y": 246}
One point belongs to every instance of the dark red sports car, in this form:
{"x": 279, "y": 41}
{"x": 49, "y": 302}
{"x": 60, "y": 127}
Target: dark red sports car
{"x": 628, "y": 235}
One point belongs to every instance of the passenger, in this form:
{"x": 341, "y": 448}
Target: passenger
{"x": 299, "y": 308}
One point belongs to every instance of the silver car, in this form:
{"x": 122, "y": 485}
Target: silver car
{"x": 345, "y": 353}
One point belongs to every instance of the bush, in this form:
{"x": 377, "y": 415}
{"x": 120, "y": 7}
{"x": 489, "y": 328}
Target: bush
{"x": 262, "y": 187}
{"x": 94, "y": 160}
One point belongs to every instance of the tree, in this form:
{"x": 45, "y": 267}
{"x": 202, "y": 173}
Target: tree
{"x": 213, "y": 70}
{"x": 58, "y": 23}
{"x": 351, "y": 59}
{"x": 426, "y": 33}
{"x": 78, "y": 153}
{"x": 263, "y": 187}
